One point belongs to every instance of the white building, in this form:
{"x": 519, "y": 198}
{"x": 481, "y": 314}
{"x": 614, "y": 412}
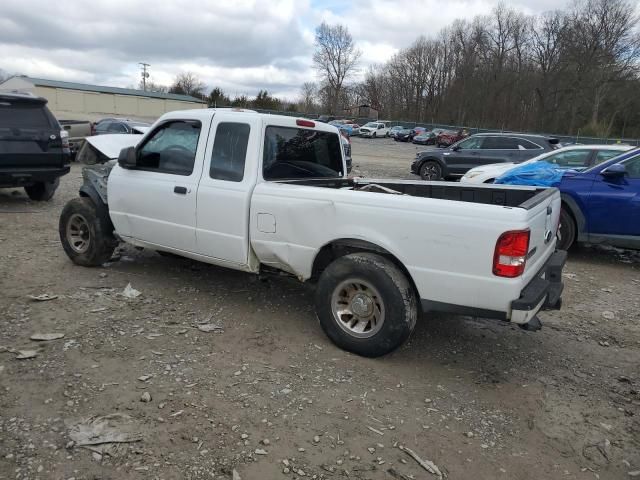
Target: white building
{"x": 78, "y": 101}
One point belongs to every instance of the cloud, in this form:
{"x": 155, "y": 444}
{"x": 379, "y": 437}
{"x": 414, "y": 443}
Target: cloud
{"x": 242, "y": 46}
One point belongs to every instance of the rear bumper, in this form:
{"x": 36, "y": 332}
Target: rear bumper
{"x": 17, "y": 177}
{"x": 544, "y": 292}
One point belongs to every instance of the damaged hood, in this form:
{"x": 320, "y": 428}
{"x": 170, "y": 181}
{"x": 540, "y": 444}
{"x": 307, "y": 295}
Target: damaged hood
{"x": 110, "y": 145}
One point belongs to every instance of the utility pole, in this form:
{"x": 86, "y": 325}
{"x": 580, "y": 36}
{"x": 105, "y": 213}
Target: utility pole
{"x": 144, "y": 75}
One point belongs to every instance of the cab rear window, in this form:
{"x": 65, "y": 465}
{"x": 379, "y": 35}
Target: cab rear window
{"x": 20, "y": 115}
{"x": 293, "y": 153}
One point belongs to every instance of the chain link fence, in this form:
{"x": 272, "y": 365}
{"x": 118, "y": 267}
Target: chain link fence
{"x": 430, "y": 126}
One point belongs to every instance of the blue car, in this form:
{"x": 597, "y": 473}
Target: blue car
{"x": 602, "y": 204}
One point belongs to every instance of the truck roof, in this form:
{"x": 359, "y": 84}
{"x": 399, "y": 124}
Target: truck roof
{"x": 266, "y": 118}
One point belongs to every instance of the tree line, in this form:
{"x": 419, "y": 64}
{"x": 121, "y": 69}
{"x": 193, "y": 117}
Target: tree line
{"x": 565, "y": 71}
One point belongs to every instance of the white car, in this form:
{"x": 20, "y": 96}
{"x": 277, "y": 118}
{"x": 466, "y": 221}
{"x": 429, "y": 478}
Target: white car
{"x": 571, "y": 157}
{"x": 375, "y": 129}
{"x": 258, "y": 193}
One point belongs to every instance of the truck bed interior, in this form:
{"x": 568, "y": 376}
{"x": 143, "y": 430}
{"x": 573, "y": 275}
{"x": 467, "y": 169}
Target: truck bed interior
{"x": 506, "y": 196}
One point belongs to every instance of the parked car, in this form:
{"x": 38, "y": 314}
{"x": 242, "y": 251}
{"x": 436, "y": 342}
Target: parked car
{"x": 375, "y": 130}
{"x": 577, "y": 157}
{"x": 479, "y": 149}
{"x": 599, "y": 205}
{"x": 404, "y": 135}
{"x": 326, "y": 118}
{"x": 425, "y": 138}
{"x": 34, "y": 149}
{"x": 448, "y": 137}
{"x": 393, "y": 130}
{"x": 350, "y": 128}
{"x": 272, "y": 194}
{"x": 115, "y": 125}
{"x": 77, "y": 131}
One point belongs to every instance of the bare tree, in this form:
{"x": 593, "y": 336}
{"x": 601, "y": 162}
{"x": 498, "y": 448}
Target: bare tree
{"x": 187, "y": 84}
{"x": 153, "y": 87}
{"x": 308, "y": 94}
{"x": 335, "y": 58}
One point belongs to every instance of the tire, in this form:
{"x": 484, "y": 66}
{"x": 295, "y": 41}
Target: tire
{"x": 382, "y": 292}
{"x": 85, "y": 235}
{"x": 42, "y": 191}
{"x": 374, "y": 135}
{"x": 431, "y": 170}
{"x": 566, "y": 231}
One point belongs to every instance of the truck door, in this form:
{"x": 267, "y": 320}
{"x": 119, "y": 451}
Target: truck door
{"x": 156, "y": 201}
{"x": 224, "y": 193}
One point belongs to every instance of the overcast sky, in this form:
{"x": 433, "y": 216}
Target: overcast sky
{"x": 241, "y": 45}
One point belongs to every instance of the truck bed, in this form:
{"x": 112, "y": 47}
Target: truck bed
{"x": 506, "y": 196}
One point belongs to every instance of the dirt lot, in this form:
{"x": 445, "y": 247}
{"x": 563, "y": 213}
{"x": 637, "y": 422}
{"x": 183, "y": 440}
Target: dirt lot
{"x": 266, "y": 394}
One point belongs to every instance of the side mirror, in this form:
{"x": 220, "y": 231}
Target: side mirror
{"x": 614, "y": 171}
{"x": 456, "y": 148}
{"x": 127, "y": 158}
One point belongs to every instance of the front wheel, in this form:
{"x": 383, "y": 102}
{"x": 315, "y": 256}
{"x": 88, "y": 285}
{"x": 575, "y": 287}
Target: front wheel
{"x": 84, "y": 234}
{"x": 42, "y": 191}
{"x": 374, "y": 135}
{"x": 430, "y": 170}
{"x": 566, "y": 231}
{"x": 365, "y": 304}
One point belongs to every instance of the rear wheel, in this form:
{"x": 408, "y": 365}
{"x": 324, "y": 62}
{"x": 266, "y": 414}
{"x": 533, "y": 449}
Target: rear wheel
{"x": 566, "y": 231}
{"x": 84, "y": 234}
{"x": 430, "y": 170}
{"x": 365, "y": 304}
{"x": 42, "y": 191}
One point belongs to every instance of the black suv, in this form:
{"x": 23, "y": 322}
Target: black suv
{"x": 480, "y": 149}
{"x": 34, "y": 150}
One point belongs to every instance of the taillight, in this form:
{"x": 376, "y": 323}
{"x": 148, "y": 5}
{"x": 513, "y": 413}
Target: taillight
{"x": 64, "y": 137}
{"x": 510, "y": 256}
{"x": 305, "y": 123}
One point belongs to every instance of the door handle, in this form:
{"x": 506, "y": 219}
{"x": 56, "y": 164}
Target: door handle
{"x": 180, "y": 190}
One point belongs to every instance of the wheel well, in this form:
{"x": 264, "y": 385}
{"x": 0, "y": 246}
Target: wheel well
{"x": 565, "y": 206}
{"x": 346, "y": 246}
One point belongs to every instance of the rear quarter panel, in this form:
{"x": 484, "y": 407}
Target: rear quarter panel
{"x": 447, "y": 246}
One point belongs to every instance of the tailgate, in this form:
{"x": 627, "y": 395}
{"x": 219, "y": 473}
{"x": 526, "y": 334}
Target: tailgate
{"x": 543, "y": 217}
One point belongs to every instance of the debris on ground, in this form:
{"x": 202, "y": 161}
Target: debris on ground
{"x": 145, "y": 397}
{"x": 130, "y": 292}
{"x": 43, "y": 297}
{"x": 210, "y": 327}
{"x": 26, "y": 354}
{"x": 46, "y": 337}
{"x": 101, "y": 434}
{"x": 428, "y": 465}
{"x": 236, "y": 475}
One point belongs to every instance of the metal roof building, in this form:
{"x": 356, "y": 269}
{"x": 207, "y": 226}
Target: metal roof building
{"x": 79, "y": 101}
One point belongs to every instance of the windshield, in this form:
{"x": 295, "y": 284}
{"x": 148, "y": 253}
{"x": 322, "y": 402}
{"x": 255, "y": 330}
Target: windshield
{"x": 293, "y": 153}
{"x": 372, "y": 125}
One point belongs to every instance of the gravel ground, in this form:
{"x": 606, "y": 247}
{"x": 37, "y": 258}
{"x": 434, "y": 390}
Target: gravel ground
{"x": 267, "y": 395}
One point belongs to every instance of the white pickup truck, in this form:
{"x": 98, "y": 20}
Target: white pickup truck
{"x": 257, "y": 192}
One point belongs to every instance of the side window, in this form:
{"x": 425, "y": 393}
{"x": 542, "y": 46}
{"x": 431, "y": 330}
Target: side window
{"x": 527, "y": 145}
{"x": 103, "y": 126}
{"x": 604, "y": 155}
{"x": 171, "y": 148}
{"x": 472, "y": 143}
{"x": 501, "y": 143}
{"x": 229, "y": 151}
{"x": 116, "y": 127}
{"x": 633, "y": 167}
{"x": 570, "y": 159}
